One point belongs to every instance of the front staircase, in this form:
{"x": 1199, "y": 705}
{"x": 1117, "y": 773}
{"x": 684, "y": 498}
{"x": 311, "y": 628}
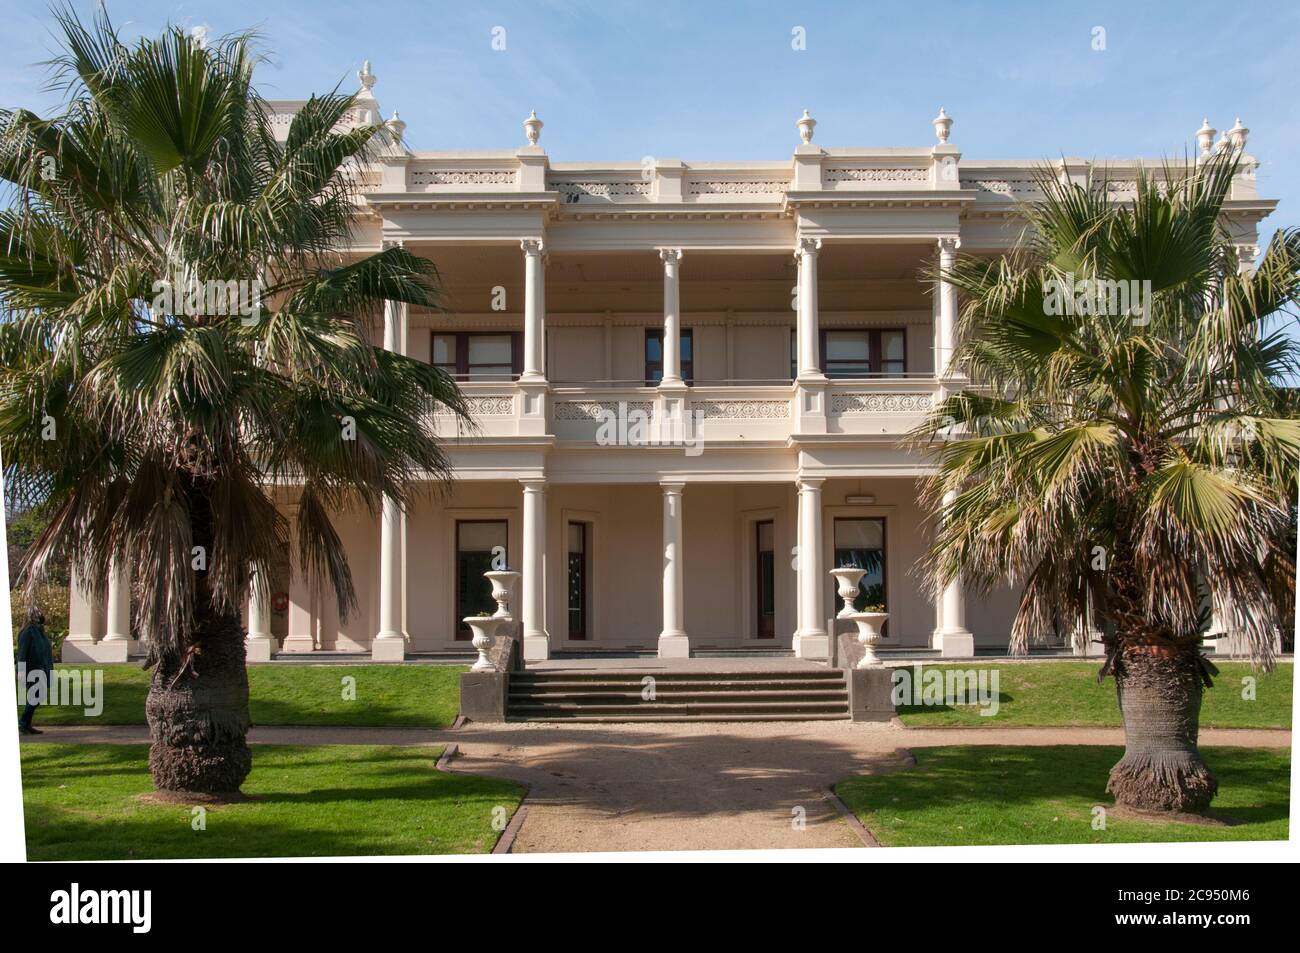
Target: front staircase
{"x": 613, "y": 696}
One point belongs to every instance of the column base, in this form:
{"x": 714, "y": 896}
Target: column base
{"x": 298, "y": 643}
{"x": 676, "y": 645}
{"x": 388, "y": 648}
{"x": 812, "y": 645}
{"x": 956, "y": 643}
{"x": 101, "y": 651}
{"x": 537, "y": 648}
{"x": 260, "y": 648}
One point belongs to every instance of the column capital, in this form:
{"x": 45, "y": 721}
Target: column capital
{"x": 533, "y": 246}
{"x": 388, "y": 243}
{"x": 809, "y": 483}
{"x": 670, "y": 255}
{"x": 807, "y": 246}
{"x": 948, "y": 244}
{"x": 533, "y": 484}
{"x": 1246, "y": 257}
{"x": 672, "y": 486}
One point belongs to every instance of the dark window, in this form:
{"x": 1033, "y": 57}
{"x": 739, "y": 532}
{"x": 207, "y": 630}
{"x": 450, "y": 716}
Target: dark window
{"x": 860, "y": 542}
{"x": 654, "y": 356}
{"x": 477, "y": 355}
{"x": 765, "y": 579}
{"x": 857, "y": 352}
{"x": 480, "y": 547}
{"x": 579, "y": 580}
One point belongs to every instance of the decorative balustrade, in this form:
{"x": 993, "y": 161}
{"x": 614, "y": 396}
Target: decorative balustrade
{"x": 632, "y": 416}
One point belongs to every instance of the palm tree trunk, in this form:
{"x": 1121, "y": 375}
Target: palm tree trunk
{"x": 198, "y": 716}
{"x": 198, "y": 699}
{"x": 1160, "y": 700}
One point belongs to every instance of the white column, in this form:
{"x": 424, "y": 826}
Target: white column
{"x": 812, "y": 640}
{"x": 261, "y": 644}
{"x": 117, "y": 632}
{"x": 534, "y": 311}
{"x": 954, "y": 638}
{"x": 85, "y": 613}
{"x": 947, "y": 308}
{"x": 532, "y": 611}
{"x": 809, "y": 356}
{"x": 672, "y": 258}
{"x": 673, "y": 642}
{"x": 389, "y": 644}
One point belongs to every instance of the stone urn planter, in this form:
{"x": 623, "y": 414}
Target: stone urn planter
{"x": 503, "y": 587}
{"x": 847, "y": 579}
{"x": 484, "y": 628}
{"x": 868, "y": 624}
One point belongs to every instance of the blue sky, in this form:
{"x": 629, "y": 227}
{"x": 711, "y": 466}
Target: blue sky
{"x": 703, "y": 80}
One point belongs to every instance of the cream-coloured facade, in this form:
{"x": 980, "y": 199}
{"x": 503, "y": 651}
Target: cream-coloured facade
{"x": 691, "y": 384}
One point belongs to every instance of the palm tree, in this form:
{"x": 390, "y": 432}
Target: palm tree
{"x": 154, "y": 430}
{"x": 1128, "y": 468}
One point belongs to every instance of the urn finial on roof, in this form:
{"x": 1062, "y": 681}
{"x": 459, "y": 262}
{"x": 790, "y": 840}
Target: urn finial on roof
{"x": 533, "y": 127}
{"x": 942, "y": 126}
{"x": 365, "y": 77}
{"x": 1205, "y": 137}
{"x": 1237, "y": 136}
{"x": 806, "y": 124}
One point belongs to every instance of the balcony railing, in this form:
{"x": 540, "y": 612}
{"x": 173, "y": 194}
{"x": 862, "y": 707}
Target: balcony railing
{"x": 630, "y": 414}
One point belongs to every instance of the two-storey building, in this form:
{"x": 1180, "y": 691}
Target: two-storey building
{"x": 692, "y": 384}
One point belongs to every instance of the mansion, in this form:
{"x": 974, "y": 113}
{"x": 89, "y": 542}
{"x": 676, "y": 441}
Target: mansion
{"x": 692, "y": 386}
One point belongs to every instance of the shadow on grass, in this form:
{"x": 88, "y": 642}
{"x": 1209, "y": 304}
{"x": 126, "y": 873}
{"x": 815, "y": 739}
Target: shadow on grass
{"x": 1010, "y": 795}
{"x": 82, "y": 802}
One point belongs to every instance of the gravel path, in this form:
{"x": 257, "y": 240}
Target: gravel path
{"x": 680, "y": 786}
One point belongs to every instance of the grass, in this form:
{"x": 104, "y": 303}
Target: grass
{"x": 1054, "y": 694}
{"x": 414, "y": 696}
{"x": 81, "y": 803}
{"x": 966, "y": 795}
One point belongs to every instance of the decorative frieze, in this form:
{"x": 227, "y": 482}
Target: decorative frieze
{"x": 463, "y": 177}
{"x": 596, "y": 409}
{"x": 894, "y": 175}
{"x": 489, "y": 405}
{"x": 573, "y": 191}
{"x": 737, "y": 187}
{"x": 742, "y": 409}
{"x": 880, "y": 403}
{"x": 1008, "y": 187}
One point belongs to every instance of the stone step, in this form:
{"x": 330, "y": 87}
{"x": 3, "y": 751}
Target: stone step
{"x": 585, "y": 717}
{"x": 637, "y": 687}
{"x": 533, "y": 678}
{"x": 682, "y": 708}
{"x": 635, "y": 698}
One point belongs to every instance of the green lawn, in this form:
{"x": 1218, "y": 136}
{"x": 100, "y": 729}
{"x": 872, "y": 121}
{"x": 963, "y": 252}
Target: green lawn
{"x": 965, "y": 795}
{"x": 1067, "y": 693}
{"x": 326, "y": 800}
{"x": 417, "y": 696}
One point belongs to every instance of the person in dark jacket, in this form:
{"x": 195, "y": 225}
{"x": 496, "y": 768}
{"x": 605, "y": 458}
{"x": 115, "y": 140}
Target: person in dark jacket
{"x": 35, "y": 655}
